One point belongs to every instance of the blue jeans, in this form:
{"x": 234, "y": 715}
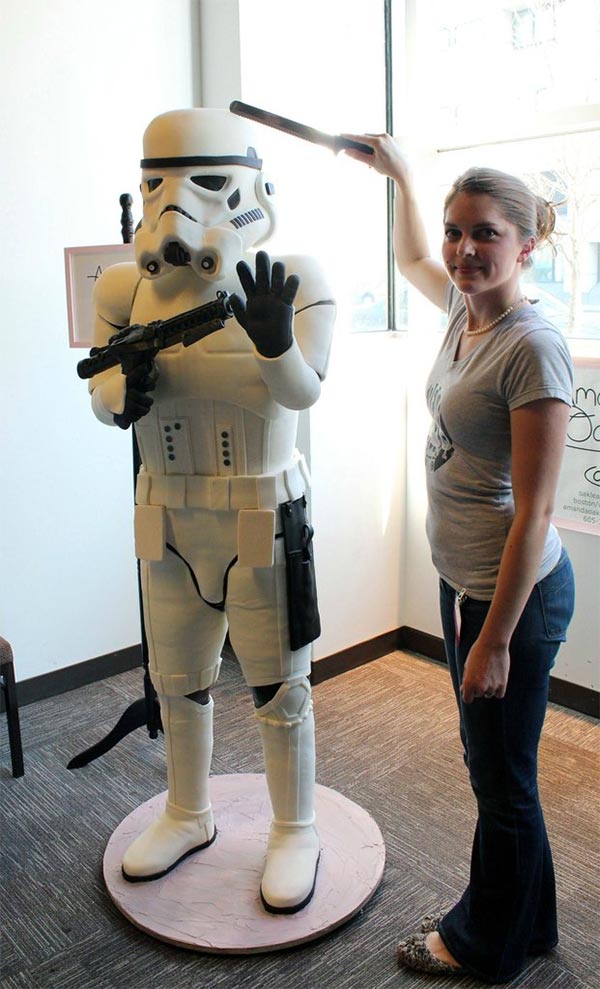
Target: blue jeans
{"x": 508, "y": 910}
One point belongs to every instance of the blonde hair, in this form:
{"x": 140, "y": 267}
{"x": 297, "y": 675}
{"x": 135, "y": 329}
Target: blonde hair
{"x": 532, "y": 215}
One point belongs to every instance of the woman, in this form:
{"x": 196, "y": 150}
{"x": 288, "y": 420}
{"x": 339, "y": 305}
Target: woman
{"x": 499, "y": 394}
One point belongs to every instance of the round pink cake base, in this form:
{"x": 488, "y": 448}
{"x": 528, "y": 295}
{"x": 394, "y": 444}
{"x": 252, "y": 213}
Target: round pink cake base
{"x": 211, "y": 901}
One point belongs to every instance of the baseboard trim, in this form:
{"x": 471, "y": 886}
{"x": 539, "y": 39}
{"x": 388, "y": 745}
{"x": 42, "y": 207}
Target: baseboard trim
{"x": 355, "y": 656}
{"x": 56, "y": 682}
{"x": 431, "y": 646}
{"x": 584, "y": 700}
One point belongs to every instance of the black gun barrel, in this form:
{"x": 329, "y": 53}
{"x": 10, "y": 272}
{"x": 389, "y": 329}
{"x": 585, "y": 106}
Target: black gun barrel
{"x": 136, "y": 344}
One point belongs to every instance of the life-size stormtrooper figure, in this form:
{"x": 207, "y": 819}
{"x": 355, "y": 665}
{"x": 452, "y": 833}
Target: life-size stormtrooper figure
{"x": 216, "y": 428}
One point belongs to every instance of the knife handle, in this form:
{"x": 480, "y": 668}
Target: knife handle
{"x": 346, "y": 142}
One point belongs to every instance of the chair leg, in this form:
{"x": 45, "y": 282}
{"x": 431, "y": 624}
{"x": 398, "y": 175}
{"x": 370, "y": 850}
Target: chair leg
{"x": 12, "y": 718}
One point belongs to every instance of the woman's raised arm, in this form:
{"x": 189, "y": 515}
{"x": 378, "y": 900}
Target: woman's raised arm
{"x": 411, "y": 248}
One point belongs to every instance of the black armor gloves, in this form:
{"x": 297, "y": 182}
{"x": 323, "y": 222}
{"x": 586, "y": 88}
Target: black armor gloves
{"x": 140, "y": 381}
{"x": 268, "y": 314}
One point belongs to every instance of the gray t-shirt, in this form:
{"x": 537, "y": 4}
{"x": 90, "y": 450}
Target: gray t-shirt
{"x": 468, "y": 456}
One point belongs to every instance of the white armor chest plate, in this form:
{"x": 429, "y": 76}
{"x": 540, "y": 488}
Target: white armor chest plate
{"x": 204, "y": 436}
{"x": 212, "y": 413}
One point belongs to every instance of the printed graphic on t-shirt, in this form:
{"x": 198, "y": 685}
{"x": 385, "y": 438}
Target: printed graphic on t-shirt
{"x": 439, "y": 447}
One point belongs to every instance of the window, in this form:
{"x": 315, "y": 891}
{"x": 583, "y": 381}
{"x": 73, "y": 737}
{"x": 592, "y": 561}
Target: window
{"x": 519, "y": 89}
{"x": 512, "y": 85}
{"x": 322, "y": 62}
{"x": 534, "y": 26}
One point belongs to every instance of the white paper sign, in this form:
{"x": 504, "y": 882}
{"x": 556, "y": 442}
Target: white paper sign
{"x": 577, "y": 504}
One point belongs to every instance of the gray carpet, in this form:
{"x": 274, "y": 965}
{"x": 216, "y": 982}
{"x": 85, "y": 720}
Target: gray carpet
{"x": 386, "y": 739}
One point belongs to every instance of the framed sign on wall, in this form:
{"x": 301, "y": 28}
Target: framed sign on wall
{"x": 577, "y": 504}
{"x": 83, "y": 267}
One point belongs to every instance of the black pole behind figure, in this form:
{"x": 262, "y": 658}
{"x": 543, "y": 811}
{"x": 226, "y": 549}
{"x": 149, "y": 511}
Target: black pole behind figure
{"x": 146, "y": 710}
{"x": 126, "y": 202}
{"x": 152, "y": 707}
{"x": 390, "y": 188}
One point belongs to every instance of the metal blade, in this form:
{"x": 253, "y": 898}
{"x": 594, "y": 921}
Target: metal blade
{"x": 335, "y": 142}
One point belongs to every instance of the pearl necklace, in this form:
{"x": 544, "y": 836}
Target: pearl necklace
{"x": 498, "y": 319}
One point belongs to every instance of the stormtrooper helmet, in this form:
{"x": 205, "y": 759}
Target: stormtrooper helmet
{"x": 205, "y": 197}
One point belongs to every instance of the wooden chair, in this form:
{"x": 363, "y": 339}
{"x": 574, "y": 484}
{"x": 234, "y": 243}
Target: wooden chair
{"x": 9, "y": 691}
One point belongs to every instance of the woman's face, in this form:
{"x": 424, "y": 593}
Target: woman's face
{"x": 482, "y": 251}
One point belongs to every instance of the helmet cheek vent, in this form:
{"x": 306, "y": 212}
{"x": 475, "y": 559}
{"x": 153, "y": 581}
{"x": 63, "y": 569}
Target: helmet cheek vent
{"x": 234, "y": 200}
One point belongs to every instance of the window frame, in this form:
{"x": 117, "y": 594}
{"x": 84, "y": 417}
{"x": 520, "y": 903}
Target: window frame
{"x": 582, "y": 118}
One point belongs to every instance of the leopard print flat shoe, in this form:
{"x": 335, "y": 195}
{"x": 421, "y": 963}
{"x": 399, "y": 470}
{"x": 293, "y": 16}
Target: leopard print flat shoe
{"x": 430, "y": 922}
{"x": 414, "y": 953}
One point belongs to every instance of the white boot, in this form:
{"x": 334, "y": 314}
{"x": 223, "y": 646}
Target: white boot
{"x": 186, "y": 825}
{"x": 288, "y": 738}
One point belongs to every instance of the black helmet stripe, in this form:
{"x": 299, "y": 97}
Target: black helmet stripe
{"x": 250, "y": 161}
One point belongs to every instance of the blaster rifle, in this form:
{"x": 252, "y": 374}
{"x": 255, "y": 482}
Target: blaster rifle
{"x": 138, "y": 344}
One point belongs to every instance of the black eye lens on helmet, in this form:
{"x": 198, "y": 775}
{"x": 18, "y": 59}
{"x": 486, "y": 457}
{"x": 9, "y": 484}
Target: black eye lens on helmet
{"x": 153, "y": 184}
{"x": 212, "y": 182}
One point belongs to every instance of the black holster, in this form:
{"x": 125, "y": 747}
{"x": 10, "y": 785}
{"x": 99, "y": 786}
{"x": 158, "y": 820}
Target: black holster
{"x": 303, "y": 609}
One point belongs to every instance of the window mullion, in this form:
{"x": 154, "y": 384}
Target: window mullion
{"x": 389, "y": 126}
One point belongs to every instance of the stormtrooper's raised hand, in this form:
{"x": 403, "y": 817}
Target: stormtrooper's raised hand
{"x": 268, "y": 313}
{"x": 140, "y": 381}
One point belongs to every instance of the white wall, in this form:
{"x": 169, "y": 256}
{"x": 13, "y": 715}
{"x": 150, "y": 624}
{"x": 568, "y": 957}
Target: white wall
{"x": 357, "y": 464}
{"x": 76, "y": 100}
{"x": 71, "y": 145}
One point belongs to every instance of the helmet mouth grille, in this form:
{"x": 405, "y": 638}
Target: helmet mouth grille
{"x": 176, "y": 254}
